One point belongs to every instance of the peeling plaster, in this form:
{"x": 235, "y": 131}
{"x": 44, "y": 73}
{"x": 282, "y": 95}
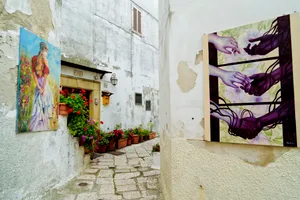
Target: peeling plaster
{"x": 11, "y": 114}
{"x": 39, "y": 22}
{"x": 52, "y": 39}
{"x": 116, "y": 67}
{"x": 199, "y": 57}
{"x": 202, "y": 122}
{"x": 23, "y": 6}
{"x": 186, "y": 77}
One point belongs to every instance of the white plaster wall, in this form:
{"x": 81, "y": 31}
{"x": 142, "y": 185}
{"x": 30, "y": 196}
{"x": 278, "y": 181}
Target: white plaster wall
{"x": 100, "y": 32}
{"x": 33, "y": 163}
{"x": 202, "y": 170}
{"x": 30, "y": 163}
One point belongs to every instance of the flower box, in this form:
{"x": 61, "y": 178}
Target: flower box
{"x": 122, "y": 143}
{"x": 63, "y": 109}
{"x": 129, "y": 142}
{"x": 135, "y": 139}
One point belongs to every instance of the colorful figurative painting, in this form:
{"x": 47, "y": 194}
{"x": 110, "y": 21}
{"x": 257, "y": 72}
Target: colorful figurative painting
{"x": 251, "y": 88}
{"x": 38, "y": 84}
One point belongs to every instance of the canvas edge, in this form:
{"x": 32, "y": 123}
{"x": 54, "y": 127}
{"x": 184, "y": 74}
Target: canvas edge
{"x": 207, "y": 135}
{"x": 295, "y": 38}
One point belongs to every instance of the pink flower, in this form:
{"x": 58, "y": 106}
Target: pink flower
{"x": 83, "y": 137}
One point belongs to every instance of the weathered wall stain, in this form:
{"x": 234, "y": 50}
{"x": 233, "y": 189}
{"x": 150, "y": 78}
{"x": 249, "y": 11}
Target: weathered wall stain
{"x": 40, "y": 22}
{"x": 186, "y": 77}
{"x": 202, "y": 122}
{"x": 255, "y": 154}
{"x": 199, "y": 57}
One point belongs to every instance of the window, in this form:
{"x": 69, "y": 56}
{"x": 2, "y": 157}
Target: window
{"x": 148, "y": 105}
{"x": 138, "y": 99}
{"x": 136, "y": 21}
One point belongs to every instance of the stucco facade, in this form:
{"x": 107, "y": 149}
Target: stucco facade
{"x": 194, "y": 169}
{"x": 104, "y": 40}
{"x": 95, "y": 34}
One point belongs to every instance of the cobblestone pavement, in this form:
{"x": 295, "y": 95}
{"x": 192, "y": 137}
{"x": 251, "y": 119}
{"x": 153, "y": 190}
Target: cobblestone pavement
{"x": 109, "y": 177}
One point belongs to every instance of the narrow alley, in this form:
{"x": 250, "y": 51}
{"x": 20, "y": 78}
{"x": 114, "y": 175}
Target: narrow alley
{"x": 125, "y": 176}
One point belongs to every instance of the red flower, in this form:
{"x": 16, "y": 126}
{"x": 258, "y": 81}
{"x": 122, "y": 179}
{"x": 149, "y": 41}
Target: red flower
{"x": 70, "y": 110}
{"x": 85, "y": 129}
{"x": 78, "y": 112}
{"x": 83, "y": 91}
{"x": 91, "y": 100}
{"x": 98, "y": 131}
{"x": 80, "y": 94}
{"x": 101, "y": 122}
{"x": 73, "y": 97}
{"x": 84, "y": 98}
{"x": 86, "y": 103}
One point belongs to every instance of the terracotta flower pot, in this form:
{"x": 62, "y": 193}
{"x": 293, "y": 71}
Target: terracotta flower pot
{"x": 63, "y": 109}
{"x": 112, "y": 145}
{"x": 129, "y": 142}
{"x": 141, "y": 139}
{"x": 122, "y": 143}
{"x": 86, "y": 150}
{"x": 152, "y": 135}
{"x": 81, "y": 142}
{"x": 135, "y": 139}
{"x": 102, "y": 149}
{"x": 146, "y": 137}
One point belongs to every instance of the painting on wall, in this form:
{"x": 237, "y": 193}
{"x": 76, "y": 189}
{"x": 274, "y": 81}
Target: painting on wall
{"x": 38, "y": 84}
{"x": 250, "y": 83}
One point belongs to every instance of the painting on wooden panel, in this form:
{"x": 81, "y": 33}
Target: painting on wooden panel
{"x": 250, "y": 72}
{"x": 38, "y": 84}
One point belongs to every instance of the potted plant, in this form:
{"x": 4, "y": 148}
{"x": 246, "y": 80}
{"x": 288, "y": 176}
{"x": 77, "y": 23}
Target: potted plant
{"x": 146, "y": 134}
{"x": 140, "y": 132}
{"x": 88, "y": 143}
{"x": 119, "y": 136}
{"x": 112, "y": 143}
{"x": 122, "y": 142}
{"x": 102, "y": 143}
{"x": 128, "y": 134}
{"x": 152, "y": 134}
{"x": 141, "y": 135}
{"x": 135, "y": 137}
{"x": 63, "y": 107}
{"x": 90, "y": 133}
{"x": 77, "y": 110}
{"x": 156, "y": 156}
